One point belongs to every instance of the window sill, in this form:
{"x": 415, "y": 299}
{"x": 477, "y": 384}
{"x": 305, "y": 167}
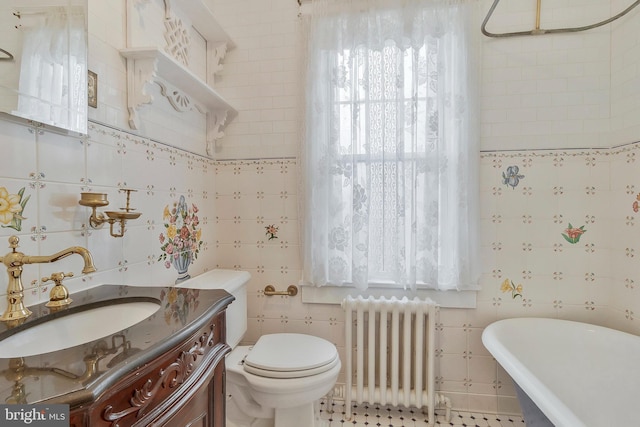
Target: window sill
{"x": 335, "y": 295}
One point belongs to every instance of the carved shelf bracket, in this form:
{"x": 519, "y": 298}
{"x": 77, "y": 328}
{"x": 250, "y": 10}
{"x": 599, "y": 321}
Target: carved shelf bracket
{"x": 215, "y": 124}
{"x": 216, "y": 56}
{"x": 140, "y": 72}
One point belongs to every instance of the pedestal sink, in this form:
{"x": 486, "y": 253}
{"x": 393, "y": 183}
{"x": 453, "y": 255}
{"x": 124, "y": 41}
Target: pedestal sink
{"x": 76, "y": 328}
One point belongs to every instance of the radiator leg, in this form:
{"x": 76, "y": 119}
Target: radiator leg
{"x": 347, "y": 414}
{"x": 447, "y": 409}
{"x": 446, "y": 402}
{"x": 440, "y": 402}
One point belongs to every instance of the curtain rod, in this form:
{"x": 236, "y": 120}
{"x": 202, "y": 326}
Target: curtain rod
{"x": 538, "y": 31}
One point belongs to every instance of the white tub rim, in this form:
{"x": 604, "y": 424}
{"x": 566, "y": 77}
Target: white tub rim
{"x": 549, "y": 392}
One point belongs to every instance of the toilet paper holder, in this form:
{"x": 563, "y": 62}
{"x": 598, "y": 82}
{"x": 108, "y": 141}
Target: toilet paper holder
{"x": 291, "y": 291}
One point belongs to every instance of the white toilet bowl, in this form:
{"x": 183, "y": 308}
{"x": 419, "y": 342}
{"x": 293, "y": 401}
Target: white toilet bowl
{"x": 279, "y": 381}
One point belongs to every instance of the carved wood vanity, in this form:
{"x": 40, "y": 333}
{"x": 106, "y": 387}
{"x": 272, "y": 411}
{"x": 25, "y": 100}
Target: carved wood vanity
{"x": 184, "y": 387}
{"x": 171, "y": 375}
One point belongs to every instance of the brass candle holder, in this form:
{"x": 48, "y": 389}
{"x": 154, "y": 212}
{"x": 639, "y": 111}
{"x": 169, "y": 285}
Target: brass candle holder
{"x": 97, "y": 219}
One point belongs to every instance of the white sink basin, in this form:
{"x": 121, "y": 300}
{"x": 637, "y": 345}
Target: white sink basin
{"x": 76, "y": 328}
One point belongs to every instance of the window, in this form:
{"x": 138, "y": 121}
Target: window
{"x": 391, "y": 153}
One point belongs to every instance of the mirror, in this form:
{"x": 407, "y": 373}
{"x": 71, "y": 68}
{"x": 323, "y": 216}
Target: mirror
{"x": 43, "y": 61}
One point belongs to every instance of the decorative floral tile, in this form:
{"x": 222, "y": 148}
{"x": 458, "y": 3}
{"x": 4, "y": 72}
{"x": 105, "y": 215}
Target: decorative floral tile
{"x": 12, "y": 208}
{"x": 182, "y": 239}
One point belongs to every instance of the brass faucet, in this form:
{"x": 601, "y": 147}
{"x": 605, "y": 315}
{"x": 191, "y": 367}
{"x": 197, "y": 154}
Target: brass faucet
{"x": 14, "y": 261}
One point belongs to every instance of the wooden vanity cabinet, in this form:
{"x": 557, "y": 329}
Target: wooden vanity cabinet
{"x": 182, "y": 387}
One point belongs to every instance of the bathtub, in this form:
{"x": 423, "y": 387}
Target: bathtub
{"x": 573, "y": 373}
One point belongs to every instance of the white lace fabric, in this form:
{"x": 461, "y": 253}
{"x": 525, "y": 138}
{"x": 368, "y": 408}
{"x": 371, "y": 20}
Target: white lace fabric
{"x": 391, "y": 145}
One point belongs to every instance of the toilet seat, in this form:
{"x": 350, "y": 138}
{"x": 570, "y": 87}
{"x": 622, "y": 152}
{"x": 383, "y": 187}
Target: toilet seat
{"x": 288, "y": 355}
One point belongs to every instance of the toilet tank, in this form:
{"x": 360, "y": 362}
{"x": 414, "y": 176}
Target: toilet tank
{"x": 237, "y": 310}
{"x": 234, "y": 282}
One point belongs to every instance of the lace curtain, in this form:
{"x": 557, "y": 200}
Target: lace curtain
{"x": 391, "y": 145}
{"x": 53, "y": 70}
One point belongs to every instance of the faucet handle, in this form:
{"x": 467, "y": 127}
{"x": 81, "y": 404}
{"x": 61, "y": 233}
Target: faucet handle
{"x": 57, "y": 277}
{"x": 59, "y": 295}
{"x": 13, "y": 242}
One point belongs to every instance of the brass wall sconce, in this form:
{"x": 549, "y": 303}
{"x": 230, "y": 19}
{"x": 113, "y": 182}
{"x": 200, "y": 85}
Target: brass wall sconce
{"x": 97, "y": 219}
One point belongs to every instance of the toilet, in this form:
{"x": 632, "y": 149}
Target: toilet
{"x": 278, "y": 381}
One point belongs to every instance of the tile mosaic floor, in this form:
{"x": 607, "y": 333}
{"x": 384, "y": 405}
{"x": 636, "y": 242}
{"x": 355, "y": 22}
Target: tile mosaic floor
{"x": 377, "y": 416}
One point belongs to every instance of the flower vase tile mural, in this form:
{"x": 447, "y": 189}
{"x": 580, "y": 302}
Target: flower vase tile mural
{"x": 181, "y": 240}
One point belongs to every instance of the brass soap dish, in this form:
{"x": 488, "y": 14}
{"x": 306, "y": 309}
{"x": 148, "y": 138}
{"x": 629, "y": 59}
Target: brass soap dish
{"x": 118, "y": 215}
{"x": 96, "y": 200}
{"x": 93, "y": 199}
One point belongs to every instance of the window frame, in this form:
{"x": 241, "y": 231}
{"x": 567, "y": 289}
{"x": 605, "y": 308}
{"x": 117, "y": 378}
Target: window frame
{"x": 335, "y": 294}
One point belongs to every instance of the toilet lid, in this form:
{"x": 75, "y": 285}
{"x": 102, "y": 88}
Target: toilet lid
{"x": 290, "y": 355}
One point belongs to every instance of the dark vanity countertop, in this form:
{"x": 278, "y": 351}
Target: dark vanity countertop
{"x": 82, "y": 373}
